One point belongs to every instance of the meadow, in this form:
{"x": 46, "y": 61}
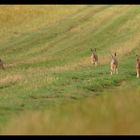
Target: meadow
{"x": 49, "y": 80}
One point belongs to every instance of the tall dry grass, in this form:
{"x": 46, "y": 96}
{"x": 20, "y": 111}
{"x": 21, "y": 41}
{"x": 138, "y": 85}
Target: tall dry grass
{"x": 110, "y": 113}
{"x": 18, "y": 19}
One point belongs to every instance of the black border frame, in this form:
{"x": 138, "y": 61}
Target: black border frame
{"x": 68, "y": 2}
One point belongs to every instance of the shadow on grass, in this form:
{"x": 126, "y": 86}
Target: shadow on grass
{"x": 53, "y": 97}
{"x": 7, "y": 86}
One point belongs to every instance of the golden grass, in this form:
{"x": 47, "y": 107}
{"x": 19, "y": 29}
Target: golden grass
{"x": 33, "y": 80}
{"x": 116, "y": 113}
{"x": 123, "y": 49}
{"x": 126, "y": 47}
{"x": 37, "y": 78}
{"x": 131, "y": 24}
{"x": 100, "y": 18}
{"x": 17, "y": 19}
{"x": 10, "y": 79}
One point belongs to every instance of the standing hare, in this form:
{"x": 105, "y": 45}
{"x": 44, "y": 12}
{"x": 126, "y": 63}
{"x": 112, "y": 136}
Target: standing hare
{"x": 114, "y": 64}
{"x": 138, "y": 66}
{"x": 94, "y": 57}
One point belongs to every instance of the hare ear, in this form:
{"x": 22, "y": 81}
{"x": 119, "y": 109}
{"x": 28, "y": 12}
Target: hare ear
{"x": 95, "y": 49}
{"x": 111, "y": 56}
{"x": 91, "y": 50}
{"x": 115, "y": 53}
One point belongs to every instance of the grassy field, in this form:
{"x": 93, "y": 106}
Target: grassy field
{"x": 48, "y": 76}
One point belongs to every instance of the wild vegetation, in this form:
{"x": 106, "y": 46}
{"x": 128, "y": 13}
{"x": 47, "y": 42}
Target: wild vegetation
{"x": 49, "y": 80}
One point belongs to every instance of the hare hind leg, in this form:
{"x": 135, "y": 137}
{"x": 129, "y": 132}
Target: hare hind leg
{"x": 111, "y": 72}
{"x": 138, "y": 73}
{"x": 96, "y": 63}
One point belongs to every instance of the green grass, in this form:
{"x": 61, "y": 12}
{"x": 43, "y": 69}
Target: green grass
{"x": 112, "y": 112}
{"x": 46, "y": 50}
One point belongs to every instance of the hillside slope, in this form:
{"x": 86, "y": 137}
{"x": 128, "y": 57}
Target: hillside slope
{"x": 46, "y": 51}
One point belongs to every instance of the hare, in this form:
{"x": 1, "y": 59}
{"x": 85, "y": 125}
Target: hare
{"x": 94, "y": 57}
{"x": 114, "y": 64}
{"x": 137, "y": 66}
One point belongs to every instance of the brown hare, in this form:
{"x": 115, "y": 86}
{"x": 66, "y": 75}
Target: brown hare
{"x": 137, "y": 66}
{"x": 114, "y": 64}
{"x": 94, "y": 57}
